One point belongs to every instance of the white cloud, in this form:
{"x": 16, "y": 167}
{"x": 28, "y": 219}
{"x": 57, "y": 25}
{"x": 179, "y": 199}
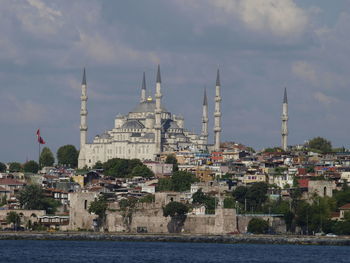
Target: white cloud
{"x": 324, "y": 99}
{"x": 305, "y": 71}
{"x": 282, "y": 18}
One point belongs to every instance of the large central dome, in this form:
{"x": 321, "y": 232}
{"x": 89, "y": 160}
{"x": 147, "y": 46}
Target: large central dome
{"x": 147, "y": 106}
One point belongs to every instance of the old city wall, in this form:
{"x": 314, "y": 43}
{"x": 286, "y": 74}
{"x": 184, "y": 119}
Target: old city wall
{"x": 321, "y": 188}
{"x": 147, "y": 217}
{"x": 25, "y": 215}
{"x": 79, "y": 216}
{"x": 277, "y": 224}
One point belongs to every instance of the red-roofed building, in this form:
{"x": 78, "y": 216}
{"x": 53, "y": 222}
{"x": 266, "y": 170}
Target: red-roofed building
{"x": 303, "y": 183}
{"x": 343, "y": 209}
{"x": 11, "y": 185}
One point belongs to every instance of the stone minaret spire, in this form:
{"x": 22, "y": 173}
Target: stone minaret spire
{"x": 205, "y": 118}
{"x": 285, "y": 121}
{"x": 83, "y": 122}
{"x": 158, "y": 111}
{"x": 143, "y": 89}
{"x": 217, "y": 114}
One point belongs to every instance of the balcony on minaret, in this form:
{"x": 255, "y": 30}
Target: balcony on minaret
{"x": 83, "y": 128}
{"x": 83, "y": 112}
{"x": 284, "y": 117}
{"x": 217, "y": 114}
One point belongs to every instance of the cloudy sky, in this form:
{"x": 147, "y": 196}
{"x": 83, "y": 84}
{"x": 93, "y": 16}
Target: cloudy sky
{"x": 261, "y": 46}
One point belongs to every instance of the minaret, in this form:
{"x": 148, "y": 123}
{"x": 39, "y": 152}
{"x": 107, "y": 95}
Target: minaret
{"x": 217, "y": 114}
{"x": 158, "y": 111}
{"x": 205, "y": 119}
{"x": 143, "y": 89}
{"x": 83, "y": 122}
{"x": 285, "y": 121}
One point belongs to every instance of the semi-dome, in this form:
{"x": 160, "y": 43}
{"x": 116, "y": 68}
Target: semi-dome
{"x": 133, "y": 124}
{"x": 147, "y": 106}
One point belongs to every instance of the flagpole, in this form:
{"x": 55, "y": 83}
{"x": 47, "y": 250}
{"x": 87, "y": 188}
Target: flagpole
{"x": 39, "y": 155}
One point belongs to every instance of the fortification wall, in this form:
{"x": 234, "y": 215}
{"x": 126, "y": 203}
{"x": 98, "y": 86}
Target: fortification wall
{"x": 277, "y": 224}
{"x": 79, "y": 216}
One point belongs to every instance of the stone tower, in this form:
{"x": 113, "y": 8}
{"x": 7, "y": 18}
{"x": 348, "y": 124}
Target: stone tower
{"x": 143, "y": 88}
{"x": 285, "y": 121}
{"x": 217, "y": 114}
{"x": 158, "y": 112}
{"x": 83, "y": 122}
{"x": 205, "y": 118}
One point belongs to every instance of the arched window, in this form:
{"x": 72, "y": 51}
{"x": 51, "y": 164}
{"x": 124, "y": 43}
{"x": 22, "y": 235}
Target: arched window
{"x": 85, "y": 204}
{"x": 325, "y": 191}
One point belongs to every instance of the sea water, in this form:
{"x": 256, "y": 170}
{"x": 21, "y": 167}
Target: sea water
{"x": 110, "y": 251}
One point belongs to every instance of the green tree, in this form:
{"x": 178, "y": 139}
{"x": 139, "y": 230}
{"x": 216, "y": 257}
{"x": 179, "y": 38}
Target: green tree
{"x": 46, "y": 158}
{"x": 239, "y": 194}
{"x": 181, "y": 181}
{"x": 15, "y": 167}
{"x": 171, "y": 159}
{"x": 32, "y": 197}
{"x": 99, "y": 207}
{"x": 258, "y": 226}
{"x": 175, "y": 209}
{"x": 31, "y": 167}
{"x": 98, "y": 165}
{"x": 208, "y": 201}
{"x": 142, "y": 171}
{"x": 120, "y": 168}
{"x": 229, "y": 202}
{"x": 164, "y": 184}
{"x": 13, "y": 218}
{"x": 320, "y": 144}
{"x": 68, "y": 155}
{"x": 3, "y": 167}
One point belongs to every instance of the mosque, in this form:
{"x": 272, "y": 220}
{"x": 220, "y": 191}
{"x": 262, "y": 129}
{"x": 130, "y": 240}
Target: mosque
{"x": 148, "y": 130}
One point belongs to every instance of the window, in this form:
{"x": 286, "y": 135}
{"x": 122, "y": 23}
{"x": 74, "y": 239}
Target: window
{"x": 85, "y": 204}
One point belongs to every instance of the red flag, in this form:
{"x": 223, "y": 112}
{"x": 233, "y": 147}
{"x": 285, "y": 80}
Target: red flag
{"x": 40, "y": 139}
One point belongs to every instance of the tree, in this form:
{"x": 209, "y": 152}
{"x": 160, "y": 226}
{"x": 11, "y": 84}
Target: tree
{"x": 68, "y": 155}
{"x": 253, "y": 196}
{"x": 31, "y": 167}
{"x": 32, "y": 197}
{"x": 181, "y": 181}
{"x": 99, "y": 207}
{"x": 3, "y": 167}
{"x": 320, "y": 144}
{"x": 120, "y": 168}
{"x": 13, "y": 218}
{"x": 173, "y": 209}
{"x": 46, "y": 158}
{"x": 258, "y": 226}
{"x": 229, "y": 202}
{"x": 171, "y": 159}
{"x": 15, "y": 167}
{"x": 98, "y": 165}
{"x": 208, "y": 201}
{"x": 164, "y": 184}
{"x": 142, "y": 171}
{"x": 240, "y": 194}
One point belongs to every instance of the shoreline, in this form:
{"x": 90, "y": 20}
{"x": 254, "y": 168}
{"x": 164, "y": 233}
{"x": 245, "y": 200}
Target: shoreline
{"x": 224, "y": 239}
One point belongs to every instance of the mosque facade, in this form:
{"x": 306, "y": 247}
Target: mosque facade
{"x": 148, "y": 130}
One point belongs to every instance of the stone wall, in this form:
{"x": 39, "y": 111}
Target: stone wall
{"x": 276, "y": 223}
{"x": 79, "y": 217}
{"x": 321, "y": 188}
{"x": 25, "y": 215}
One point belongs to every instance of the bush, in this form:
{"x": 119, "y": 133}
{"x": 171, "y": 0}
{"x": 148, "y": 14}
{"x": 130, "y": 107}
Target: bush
{"x": 258, "y": 226}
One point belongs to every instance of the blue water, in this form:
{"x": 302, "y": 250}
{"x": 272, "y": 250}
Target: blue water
{"x": 91, "y": 251}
